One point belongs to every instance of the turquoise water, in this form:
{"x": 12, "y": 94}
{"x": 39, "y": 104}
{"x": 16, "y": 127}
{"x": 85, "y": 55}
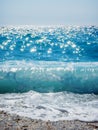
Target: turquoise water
{"x": 49, "y": 73}
{"x": 49, "y": 59}
{"x": 21, "y": 76}
{"x": 64, "y": 44}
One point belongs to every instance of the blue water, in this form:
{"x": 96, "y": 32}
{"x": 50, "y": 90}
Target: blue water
{"x": 49, "y": 59}
{"x": 66, "y": 44}
{"x": 49, "y": 73}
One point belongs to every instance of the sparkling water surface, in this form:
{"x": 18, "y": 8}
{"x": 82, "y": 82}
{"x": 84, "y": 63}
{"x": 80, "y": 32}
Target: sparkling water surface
{"x": 49, "y": 73}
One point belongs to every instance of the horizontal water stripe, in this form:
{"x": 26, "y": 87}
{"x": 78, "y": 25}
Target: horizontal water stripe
{"x": 49, "y": 43}
{"x": 80, "y": 77}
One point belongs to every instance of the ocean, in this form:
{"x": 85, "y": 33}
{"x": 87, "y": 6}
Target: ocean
{"x": 49, "y": 73}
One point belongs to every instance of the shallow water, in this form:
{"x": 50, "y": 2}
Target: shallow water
{"x": 52, "y": 106}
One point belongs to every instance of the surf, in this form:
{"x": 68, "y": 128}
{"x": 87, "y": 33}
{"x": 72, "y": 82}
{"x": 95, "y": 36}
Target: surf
{"x": 49, "y": 59}
{"x": 44, "y": 77}
{"x": 49, "y": 73}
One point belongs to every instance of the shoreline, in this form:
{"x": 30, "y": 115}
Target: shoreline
{"x": 16, "y": 122}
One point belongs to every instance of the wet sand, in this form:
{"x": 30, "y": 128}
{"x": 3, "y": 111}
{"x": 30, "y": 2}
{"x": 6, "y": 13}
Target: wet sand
{"x": 16, "y": 122}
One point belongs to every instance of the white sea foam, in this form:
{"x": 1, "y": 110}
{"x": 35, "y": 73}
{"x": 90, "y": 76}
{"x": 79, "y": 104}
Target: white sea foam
{"x": 51, "y": 106}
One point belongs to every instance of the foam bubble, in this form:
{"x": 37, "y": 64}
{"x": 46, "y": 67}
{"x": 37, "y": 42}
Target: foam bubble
{"x": 52, "y": 106}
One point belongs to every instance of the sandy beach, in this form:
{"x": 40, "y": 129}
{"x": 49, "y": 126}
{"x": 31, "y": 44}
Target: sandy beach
{"x": 16, "y": 122}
